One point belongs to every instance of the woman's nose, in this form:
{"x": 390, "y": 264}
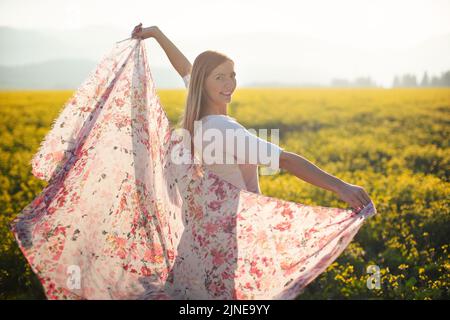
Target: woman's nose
{"x": 229, "y": 85}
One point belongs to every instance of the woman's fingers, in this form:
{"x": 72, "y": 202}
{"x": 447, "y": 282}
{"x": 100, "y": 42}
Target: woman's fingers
{"x": 137, "y": 35}
{"x": 355, "y": 196}
{"x": 353, "y": 202}
{"x": 366, "y": 197}
{"x": 362, "y": 197}
{"x": 136, "y": 30}
{"x": 350, "y": 199}
{"x": 361, "y": 200}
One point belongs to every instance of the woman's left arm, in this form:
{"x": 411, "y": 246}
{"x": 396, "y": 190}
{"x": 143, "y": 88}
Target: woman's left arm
{"x": 354, "y": 195}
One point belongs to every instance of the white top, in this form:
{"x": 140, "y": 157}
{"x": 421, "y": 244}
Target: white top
{"x": 236, "y": 163}
{"x": 186, "y": 79}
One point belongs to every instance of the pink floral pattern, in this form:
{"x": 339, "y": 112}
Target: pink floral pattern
{"x": 139, "y": 226}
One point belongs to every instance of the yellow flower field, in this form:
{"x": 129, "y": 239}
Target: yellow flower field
{"x": 392, "y": 142}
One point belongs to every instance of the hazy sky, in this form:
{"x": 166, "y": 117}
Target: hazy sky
{"x": 366, "y": 24}
{"x": 307, "y": 41}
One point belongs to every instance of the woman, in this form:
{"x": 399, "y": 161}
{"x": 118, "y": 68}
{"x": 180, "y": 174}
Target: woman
{"x": 213, "y": 83}
{"x": 119, "y": 219}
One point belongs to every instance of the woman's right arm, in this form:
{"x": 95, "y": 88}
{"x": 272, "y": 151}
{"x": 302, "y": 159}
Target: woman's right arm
{"x": 176, "y": 57}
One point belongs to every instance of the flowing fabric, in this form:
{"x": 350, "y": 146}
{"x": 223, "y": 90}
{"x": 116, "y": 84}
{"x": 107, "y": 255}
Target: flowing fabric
{"x": 120, "y": 220}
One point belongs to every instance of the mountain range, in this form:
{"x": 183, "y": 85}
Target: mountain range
{"x": 62, "y": 59}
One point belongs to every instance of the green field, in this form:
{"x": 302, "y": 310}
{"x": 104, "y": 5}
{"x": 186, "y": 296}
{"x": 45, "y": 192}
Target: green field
{"x": 392, "y": 142}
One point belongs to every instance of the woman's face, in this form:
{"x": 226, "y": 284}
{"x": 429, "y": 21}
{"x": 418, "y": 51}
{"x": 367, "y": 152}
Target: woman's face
{"x": 221, "y": 83}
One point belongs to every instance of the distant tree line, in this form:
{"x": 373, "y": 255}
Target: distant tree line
{"x": 405, "y": 80}
{"x": 410, "y": 80}
{"x": 358, "y": 82}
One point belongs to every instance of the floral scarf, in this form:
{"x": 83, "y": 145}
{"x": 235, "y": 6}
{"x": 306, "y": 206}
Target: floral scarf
{"x": 120, "y": 220}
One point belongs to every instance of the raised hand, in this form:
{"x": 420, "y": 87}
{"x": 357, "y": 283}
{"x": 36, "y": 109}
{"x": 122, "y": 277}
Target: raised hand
{"x": 144, "y": 33}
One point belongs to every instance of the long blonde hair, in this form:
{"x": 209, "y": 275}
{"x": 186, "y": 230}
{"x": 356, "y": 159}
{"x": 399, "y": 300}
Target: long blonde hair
{"x": 203, "y": 65}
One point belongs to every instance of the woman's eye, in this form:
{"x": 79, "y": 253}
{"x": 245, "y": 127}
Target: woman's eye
{"x": 220, "y": 77}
